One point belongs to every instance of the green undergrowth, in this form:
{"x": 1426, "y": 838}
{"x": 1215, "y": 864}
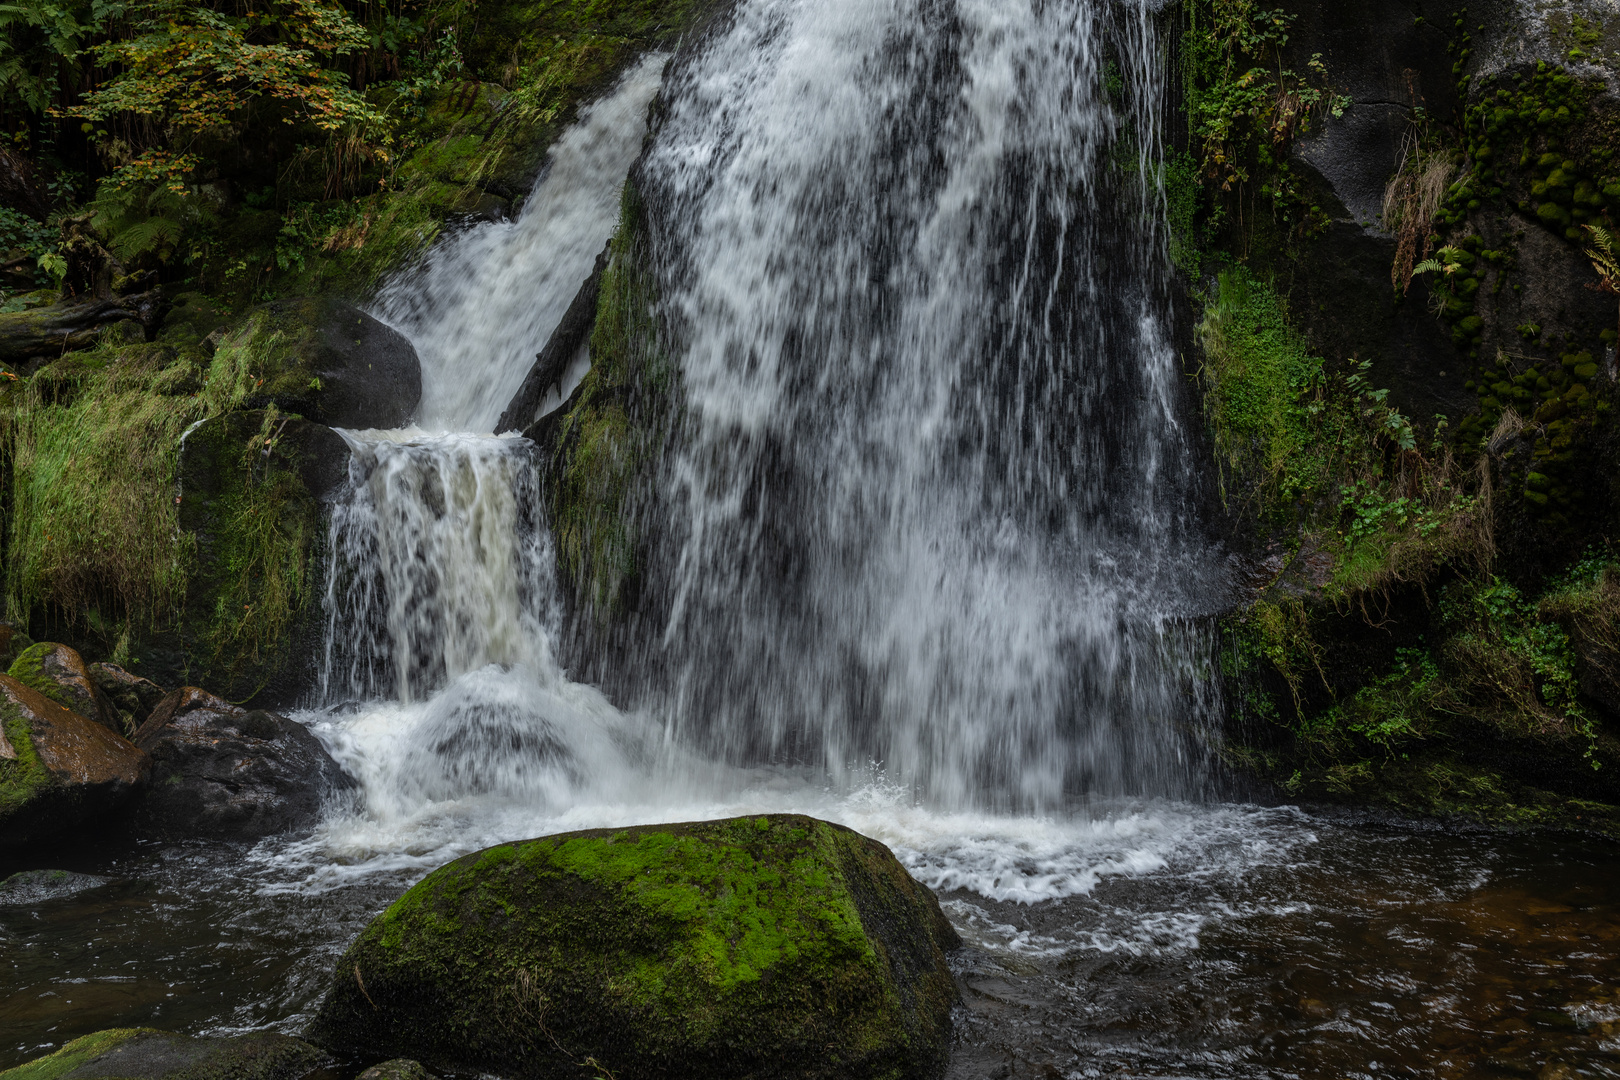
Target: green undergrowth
{"x": 97, "y": 535}
{"x": 609, "y": 437}
{"x": 1321, "y": 457}
{"x": 1499, "y": 710}
{"x": 93, "y": 440}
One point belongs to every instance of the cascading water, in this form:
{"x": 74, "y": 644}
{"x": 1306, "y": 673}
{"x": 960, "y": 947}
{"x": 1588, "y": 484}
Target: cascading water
{"x": 921, "y": 527}
{"x": 926, "y": 506}
{"x": 923, "y": 505}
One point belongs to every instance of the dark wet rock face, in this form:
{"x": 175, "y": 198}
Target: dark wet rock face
{"x": 39, "y": 886}
{"x": 219, "y": 770}
{"x": 57, "y": 768}
{"x": 60, "y": 674}
{"x": 331, "y": 362}
{"x": 777, "y": 946}
{"x": 133, "y": 696}
{"x": 148, "y": 1054}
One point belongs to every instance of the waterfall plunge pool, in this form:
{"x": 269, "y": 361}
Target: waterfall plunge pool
{"x": 1145, "y": 939}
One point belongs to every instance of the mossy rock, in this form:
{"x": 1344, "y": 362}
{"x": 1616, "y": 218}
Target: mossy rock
{"x": 57, "y": 768}
{"x": 149, "y": 1054}
{"x": 60, "y": 674}
{"x": 321, "y": 359}
{"x": 253, "y": 494}
{"x": 777, "y": 946}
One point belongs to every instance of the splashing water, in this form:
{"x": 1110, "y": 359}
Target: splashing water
{"x": 926, "y": 538}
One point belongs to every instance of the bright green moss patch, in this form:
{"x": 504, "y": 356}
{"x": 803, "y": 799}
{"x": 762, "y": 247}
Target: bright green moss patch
{"x": 1257, "y": 374}
{"x": 22, "y": 777}
{"x": 757, "y": 946}
{"x": 74, "y": 1054}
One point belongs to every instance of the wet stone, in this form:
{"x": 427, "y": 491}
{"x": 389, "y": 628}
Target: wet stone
{"x": 219, "y": 770}
{"x": 60, "y": 674}
{"x": 57, "y": 768}
{"x": 397, "y": 1069}
{"x": 39, "y": 886}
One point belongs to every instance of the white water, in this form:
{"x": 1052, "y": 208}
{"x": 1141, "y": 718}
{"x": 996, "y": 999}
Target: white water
{"x": 484, "y": 303}
{"x": 911, "y": 264}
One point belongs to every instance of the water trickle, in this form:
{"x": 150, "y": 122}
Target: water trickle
{"x": 927, "y": 502}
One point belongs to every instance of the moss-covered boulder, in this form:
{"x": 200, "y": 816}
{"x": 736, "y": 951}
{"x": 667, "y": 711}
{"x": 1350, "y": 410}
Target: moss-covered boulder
{"x": 777, "y": 946}
{"x": 61, "y": 674}
{"x": 252, "y": 503}
{"x": 57, "y": 768}
{"x": 149, "y": 1054}
{"x": 324, "y": 360}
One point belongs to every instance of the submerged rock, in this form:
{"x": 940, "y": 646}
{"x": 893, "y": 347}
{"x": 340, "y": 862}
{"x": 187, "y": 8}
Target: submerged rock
{"x": 60, "y": 674}
{"x": 149, "y": 1054}
{"x": 219, "y": 770}
{"x": 37, "y": 886}
{"x": 777, "y": 946}
{"x": 57, "y": 768}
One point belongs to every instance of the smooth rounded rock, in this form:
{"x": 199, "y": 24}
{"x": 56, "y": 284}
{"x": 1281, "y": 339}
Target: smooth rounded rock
{"x": 57, "y": 768}
{"x": 29, "y": 887}
{"x": 61, "y": 674}
{"x": 218, "y": 770}
{"x": 778, "y": 946}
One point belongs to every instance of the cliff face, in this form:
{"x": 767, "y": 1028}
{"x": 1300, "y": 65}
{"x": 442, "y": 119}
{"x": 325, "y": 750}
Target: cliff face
{"x": 1429, "y": 502}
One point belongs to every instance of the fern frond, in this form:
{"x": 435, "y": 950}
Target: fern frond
{"x": 145, "y": 236}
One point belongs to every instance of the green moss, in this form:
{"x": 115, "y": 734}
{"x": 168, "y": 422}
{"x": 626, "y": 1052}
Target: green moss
{"x": 94, "y": 443}
{"x": 1257, "y": 373}
{"x": 609, "y": 437}
{"x": 76, "y": 1053}
{"x": 660, "y": 943}
{"x": 22, "y": 778}
{"x": 29, "y": 669}
{"x": 260, "y": 524}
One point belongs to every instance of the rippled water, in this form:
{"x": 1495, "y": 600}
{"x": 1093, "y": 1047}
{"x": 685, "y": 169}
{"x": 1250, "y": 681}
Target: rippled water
{"x": 1149, "y": 940}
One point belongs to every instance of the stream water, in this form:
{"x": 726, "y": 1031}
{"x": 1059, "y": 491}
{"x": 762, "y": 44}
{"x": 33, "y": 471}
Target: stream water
{"x": 934, "y": 572}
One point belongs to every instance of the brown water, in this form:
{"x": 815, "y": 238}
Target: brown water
{"x": 1284, "y": 945}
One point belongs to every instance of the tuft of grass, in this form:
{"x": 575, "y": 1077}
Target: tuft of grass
{"x": 94, "y": 441}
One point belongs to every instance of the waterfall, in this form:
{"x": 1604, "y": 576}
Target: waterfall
{"x": 927, "y": 499}
{"x": 920, "y": 533}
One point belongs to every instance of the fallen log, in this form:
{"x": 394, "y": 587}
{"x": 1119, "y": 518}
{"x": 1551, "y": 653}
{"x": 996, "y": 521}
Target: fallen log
{"x": 561, "y": 347}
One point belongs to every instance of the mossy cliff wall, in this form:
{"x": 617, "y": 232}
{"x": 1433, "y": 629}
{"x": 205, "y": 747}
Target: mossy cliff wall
{"x": 1406, "y": 348}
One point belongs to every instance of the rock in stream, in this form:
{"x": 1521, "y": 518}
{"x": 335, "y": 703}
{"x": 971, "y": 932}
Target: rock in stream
{"x": 777, "y": 946}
